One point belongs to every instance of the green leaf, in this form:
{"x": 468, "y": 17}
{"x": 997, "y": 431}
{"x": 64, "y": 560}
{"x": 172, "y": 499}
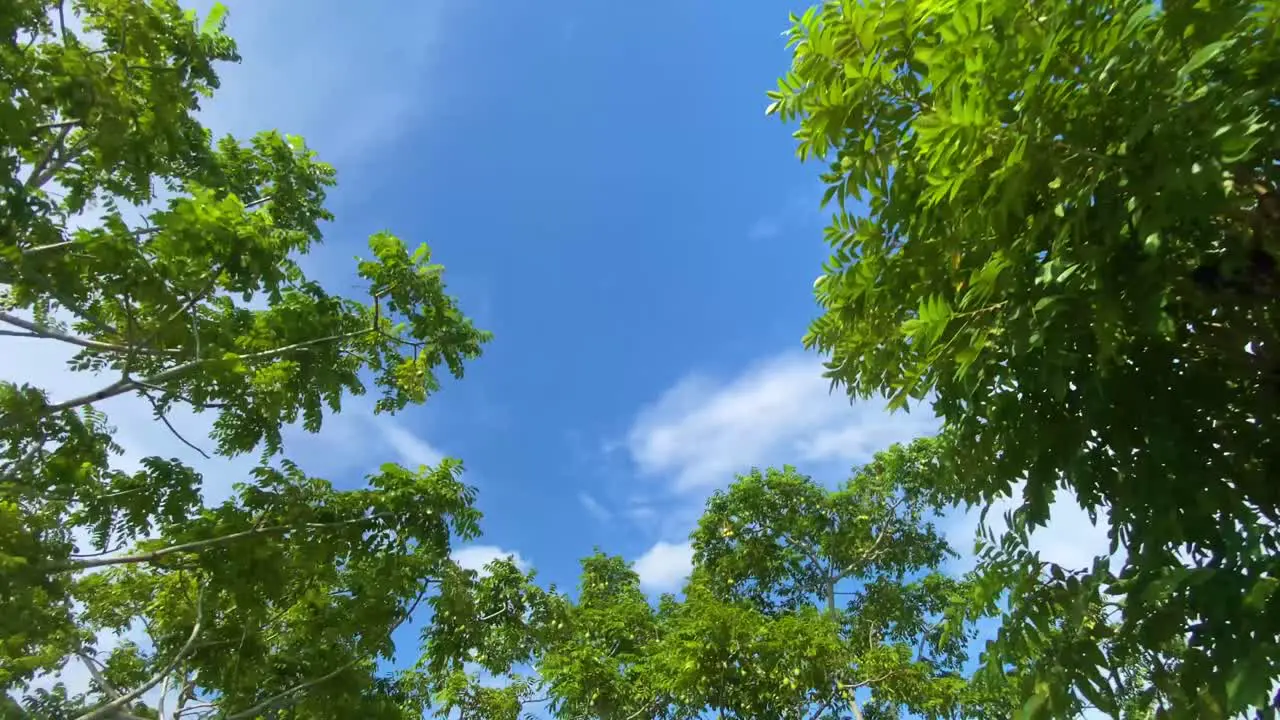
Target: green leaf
{"x": 1204, "y": 56}
{"x": 215, "y": 21}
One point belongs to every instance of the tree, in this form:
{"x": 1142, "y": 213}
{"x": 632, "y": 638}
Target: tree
{"x": 1057, "y": 222}
{"x": 800, "y": 597}
{"x": 185, "y": 291}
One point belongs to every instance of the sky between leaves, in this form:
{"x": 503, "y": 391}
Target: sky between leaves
{"x": 602, "y": 185}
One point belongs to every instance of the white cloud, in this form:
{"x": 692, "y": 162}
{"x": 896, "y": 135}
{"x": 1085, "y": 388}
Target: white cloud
{"x": 663, "y": 567}
{"x": 411, "y": 450}
{"x": 594, "y": 508}
{"x": 475, "y": 557}
{"x": 1069, "y": 539}
{"x": 350, "y": 78}
{"x": 700, "y": 432}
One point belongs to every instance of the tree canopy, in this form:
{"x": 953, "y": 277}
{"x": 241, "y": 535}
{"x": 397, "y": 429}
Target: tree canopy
{"x": 168, "y": 262}
{"x": 1056, "y": 222}
{"x": 802, "y": 599}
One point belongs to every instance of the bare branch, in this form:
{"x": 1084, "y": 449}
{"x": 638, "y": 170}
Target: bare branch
{"x": 115, "y": 549}
{"x": 159, "y": 413}
{"x": 124, "y": 385}
{"x": 46, "y": 161}
{"x": 49, "y": 333}
{"x": 123, "y": 700}
{"x": 651, "y": 706}
{"x": 164, "y": 690}
{"x": 49, "y": 246}
{"x": 821, "y": 709}
{"x": 11, "y": 471}
{"x": 62, "y": 21}
{"x": 57, "y": 125}
{"x": 290, "y": 693}
{"x": 870, "y": 681}
{"x": 195, "y": 545}
{"x": 92, "y": 664}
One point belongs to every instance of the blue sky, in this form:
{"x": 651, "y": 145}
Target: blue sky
{"x": 608, "y": 198}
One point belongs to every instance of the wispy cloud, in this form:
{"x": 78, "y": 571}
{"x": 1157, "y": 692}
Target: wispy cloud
{"x": 801, "y": 211}
{"x": 594, "y": 508}
{"x": 412, "y": 450}
{"x": 349, "y": 77}
{"x": 701, "y": 431}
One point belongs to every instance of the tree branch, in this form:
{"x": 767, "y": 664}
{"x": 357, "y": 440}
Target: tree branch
{"x": 287, "y": 694}
{"x": 154, "y": 555}
{"x": 91, "y": 663}
{"x": 125, "y": 384}
{"x": 49, "y": 333}
{"x": 123, "y": 700}
{"x": 821, "y": 709}
{"x": 36, "y": 178}
{"x": 12, "y": 470}
{"x": 159, "y": 413}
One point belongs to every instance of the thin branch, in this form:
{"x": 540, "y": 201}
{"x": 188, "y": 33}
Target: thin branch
{"x": 62, "y": 21}
{"x": 12, "y": 470}
{"x": 188, "y": 306}
{"x": 49, "y": 246}
{"x": 124, "y": 385}
{"x": 65, "y": 157}
{"x": 43, "y": 170}
{"x": 197, "y": 708}
{"x": 57, "y": 125}
{"x": 870, "y": 681}
{"x": 83, "y": 556}
{"x": 203, "y": 405}
{"x": 51, "y": 334}
{"x": 159, "y": 413}
{"x": 822, "y": 709}
{"x": 494, "y": 614}
{"x": 643, "y": 710}
{"x": 154, "y": 555}
{"x": 123, "y": 700}
{"x": 164, "y": 690}
{"x": 287, "y": 694}
{"x": 95, "y": 671}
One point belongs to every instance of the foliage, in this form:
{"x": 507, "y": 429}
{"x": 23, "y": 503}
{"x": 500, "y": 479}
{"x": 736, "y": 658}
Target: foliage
{"x": 799, "y": 598}
{"x": 169, "y": 264}
{"x": 1057, "y": 220}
